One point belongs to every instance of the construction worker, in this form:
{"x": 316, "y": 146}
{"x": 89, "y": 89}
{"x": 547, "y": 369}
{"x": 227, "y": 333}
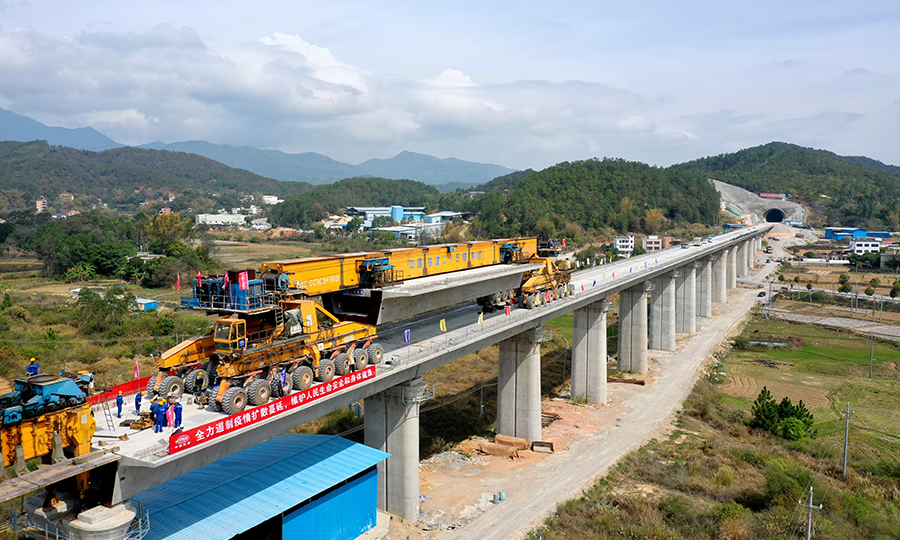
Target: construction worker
{"x": 137, "y": 402}
{"x": 164, "y": 407}
{"x": 160, "y": 419}
{"x": 154, "y": 406}
{"x": 177, "y": 408}
{"x": 119, "y": 402}
{"x": 170, "y": 412}
{"x": 33, "y": 368}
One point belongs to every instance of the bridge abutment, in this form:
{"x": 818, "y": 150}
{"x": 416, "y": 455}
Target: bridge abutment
{"x": 519, "y": 386}
{"x": 392, "y": 425}
{"x": 633, "y": 329}
{"x": 589, "y": 353}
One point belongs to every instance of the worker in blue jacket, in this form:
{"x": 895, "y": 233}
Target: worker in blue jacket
{"x": 165, "y": 408}
{"x": 119, "y": 402}
{"x": 177, "y": 408}
{"x": 33, "y": 368}
{"x": 137, "y": 402}
{"x": 160, "y": 419}
{"x": 154, "y": 406}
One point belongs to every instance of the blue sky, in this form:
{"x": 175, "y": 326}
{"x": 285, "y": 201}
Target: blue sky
{"x": 522, "y": 84}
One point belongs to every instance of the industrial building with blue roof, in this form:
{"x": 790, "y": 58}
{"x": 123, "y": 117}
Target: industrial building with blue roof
{"x": 293, "y": 486}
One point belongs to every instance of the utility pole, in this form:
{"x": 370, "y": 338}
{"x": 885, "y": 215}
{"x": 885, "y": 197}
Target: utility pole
{"x": 871, "y": 354}
{"x": 811, "y": 507}
{"x": 847, "y": 413}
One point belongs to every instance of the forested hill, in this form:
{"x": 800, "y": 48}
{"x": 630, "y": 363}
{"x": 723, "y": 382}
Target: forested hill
{"x": 612, "y": 194}
{"x": 121, "y": 176}
{"x": 838, "y": 191}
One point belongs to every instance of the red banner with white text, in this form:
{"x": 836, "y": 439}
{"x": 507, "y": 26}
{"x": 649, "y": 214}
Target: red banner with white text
{"x": 229, "y": 424}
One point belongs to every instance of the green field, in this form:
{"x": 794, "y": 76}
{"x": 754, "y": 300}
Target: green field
{"x": 716, "y": 478}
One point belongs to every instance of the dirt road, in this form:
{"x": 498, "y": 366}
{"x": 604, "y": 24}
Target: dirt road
{"x": 635, "y": 415}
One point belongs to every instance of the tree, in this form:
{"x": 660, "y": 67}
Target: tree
{"x": 843, "y": 278}
{"x": 786, "y": 420}
{"x": 869, "y": 291}
{"x": 845, "y": 287}
{"x": 809, "y": 286}
{"x": 638, "y": 250}
{"x": 653, "y": 219}
{"x": 809, "y": 255}
{"x": 874, "y": 282}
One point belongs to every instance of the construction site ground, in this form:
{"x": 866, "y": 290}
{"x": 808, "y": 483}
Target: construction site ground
{"x": 458, "y": 487}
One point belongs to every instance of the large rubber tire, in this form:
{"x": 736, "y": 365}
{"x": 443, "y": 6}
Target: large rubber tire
{"x": 73, "y": 401}
{"x": 376, "y": 353}
{"x": 51, "y": 407}
{"x": 571, "y": 287}
{"x": 343, "y": 364}
{"x": 171, "y": 385}
{"x": 326, "y": 370}
{"x": 150, "y": 384}
{"x": 496, "y": 299}
{"x": 302, "y": 378}
{"x": 259, "y": 392}
{"x": 361, "y": 358}
{"x": 195, "y": 381}
{"x": 234, "y": 400}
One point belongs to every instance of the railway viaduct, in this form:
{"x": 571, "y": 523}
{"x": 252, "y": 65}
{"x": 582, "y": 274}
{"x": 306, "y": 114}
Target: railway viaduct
{"x": 678, "y": 285}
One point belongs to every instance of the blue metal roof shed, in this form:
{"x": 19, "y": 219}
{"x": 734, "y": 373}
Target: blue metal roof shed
{"x": 326, "y": 485}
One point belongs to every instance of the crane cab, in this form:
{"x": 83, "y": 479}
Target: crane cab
{"x": 230, "y": 336}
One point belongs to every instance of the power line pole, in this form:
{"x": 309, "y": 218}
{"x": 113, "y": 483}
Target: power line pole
{"x": 871, "y": 354}
{"x": 847, "y": 413}
{"x": 811, "y": 507}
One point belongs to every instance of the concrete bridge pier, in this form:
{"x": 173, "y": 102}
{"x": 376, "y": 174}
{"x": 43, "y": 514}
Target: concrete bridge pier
{"x": 392, "y": 425}
{"x": 719, "y": 282}
{"x": 662, "y": 312}
{"x": 731, "y": 269}
{"x": 740, "y": 269}
{"x": 589, "y": 353}
{"x": 686, "y": 299}
{"x": 519, "y": 386}
{"x": 633, "y": 328}
{"x": 705, "y": 287}
{"x": 751, "y": 255}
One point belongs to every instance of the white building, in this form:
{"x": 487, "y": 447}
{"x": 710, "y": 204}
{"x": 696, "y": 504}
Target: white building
{"x": 859, "y": 246}
{"x": 271, "y": 199}
{"x": 228, "y": 220}
{"x": 624, "y": 244}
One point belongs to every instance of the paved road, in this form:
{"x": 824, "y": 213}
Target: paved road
{"x": 636, "y": 413}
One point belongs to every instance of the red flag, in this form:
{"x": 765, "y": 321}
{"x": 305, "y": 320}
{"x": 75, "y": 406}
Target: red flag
{"x": 548, "y": 296}
{"x": 508, "y": 311}
{"x": 225, "y": 281}
{"x": 137, "y": 369}
{"x": 170, "y": 415}
{"x": 564, "y": 242}
{"x": 582, "y": 286}
{"x": 243, "y": 282}
{"x": 199, "y": 278}
{"x": 178, "y": 282}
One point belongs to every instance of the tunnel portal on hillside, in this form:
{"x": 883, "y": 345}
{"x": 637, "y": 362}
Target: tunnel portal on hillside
{"x": 774, "y": 215}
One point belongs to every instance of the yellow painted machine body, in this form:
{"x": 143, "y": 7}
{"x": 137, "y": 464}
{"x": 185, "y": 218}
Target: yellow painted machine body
{"x": 547, "y": 277}
{"x": 190, "y": 351}
{"x": 324, "y": 275}
{"x": 75, "y": 425}
{"x": 315, "y": 335}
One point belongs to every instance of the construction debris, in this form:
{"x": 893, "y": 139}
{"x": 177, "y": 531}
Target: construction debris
{"x": 545, "y": 447}
{"x": 499, "y": 450}
{"x": 638, "y": 382}
{"x": 515, "y": 442}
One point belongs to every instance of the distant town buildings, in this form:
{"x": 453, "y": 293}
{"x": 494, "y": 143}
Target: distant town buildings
{"x": 228, "y": 220}
{"x": 41, "y": 205}
{"x": 865, "y": 245}
{"x": 656, "y": 243}
{"x": 624, "y": 245}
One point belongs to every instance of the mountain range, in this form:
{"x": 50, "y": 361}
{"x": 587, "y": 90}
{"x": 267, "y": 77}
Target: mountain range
{"x": 447, "y": 174}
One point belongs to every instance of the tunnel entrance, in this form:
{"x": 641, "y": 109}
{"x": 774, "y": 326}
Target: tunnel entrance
{"x": 774, "y": 215}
